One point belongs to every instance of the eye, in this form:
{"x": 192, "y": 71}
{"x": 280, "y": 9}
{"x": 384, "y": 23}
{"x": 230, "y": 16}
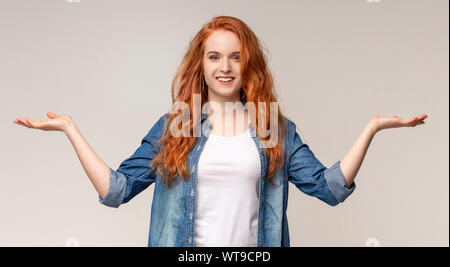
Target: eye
{"x": 236, "y": 57}
{"x": 213, "y": 57}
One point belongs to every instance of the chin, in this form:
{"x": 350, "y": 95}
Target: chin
{"x": 226, "y": 92}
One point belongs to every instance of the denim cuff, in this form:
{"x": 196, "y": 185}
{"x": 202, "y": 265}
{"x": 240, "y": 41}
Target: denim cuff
{"x": 116, "y": 190}
{"x": 336, "y": 182}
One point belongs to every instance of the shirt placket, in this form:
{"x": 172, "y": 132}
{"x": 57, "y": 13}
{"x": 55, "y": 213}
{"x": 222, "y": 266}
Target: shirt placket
{"x": 192, "y": 188}
{"x": 262, "y": 156}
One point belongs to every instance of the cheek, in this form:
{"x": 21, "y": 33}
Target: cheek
{"x": 207, "y": 73}
{"x": 239, "y": 83}
{"x": 209, "y": 81}
{"x": 209, "y": 68}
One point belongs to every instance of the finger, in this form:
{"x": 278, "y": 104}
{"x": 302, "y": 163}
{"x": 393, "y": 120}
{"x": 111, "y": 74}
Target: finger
{"x": 418, "y": 118}
{"x": 51, "y": 115}
{"x": 27, "y": 122}
{"x": 420, "y": 123}
{"x": 423, "y": 116}
{"x": 33, "y": 123}
{"x": 18, "y": 122}
{"x": 30, "y": 123}
{"x": 22, "y": 122}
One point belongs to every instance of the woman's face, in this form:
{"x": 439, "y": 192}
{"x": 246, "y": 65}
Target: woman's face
{"x": 221, "y": 66}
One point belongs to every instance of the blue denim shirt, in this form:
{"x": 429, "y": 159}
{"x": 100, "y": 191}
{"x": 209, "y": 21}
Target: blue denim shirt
{"x": 173, "y": 208}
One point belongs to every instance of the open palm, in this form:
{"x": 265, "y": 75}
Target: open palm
{"x": 385, "y": 122}
{"x": 55, "y": 123}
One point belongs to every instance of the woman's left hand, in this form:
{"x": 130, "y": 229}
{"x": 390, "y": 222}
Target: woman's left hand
{"x": 382, "y": 122}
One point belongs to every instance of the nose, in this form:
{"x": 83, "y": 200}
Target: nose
{"x": 225, "y": 66}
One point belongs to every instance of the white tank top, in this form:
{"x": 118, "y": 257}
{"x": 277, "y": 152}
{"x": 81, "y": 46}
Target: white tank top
{"x": 228, "y": 192}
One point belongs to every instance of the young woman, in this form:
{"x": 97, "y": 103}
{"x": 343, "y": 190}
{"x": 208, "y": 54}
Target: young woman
{"x": 228, "y": 185}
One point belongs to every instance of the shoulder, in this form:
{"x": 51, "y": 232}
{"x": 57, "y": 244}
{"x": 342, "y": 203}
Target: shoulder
{"x": 162, "y": 119}
{"x": 290, "y": 128}
{"x": 292, "y": 138}
{"x": 158, "y": 127}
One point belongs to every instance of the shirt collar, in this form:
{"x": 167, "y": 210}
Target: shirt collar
{"x": 204, "y": 116}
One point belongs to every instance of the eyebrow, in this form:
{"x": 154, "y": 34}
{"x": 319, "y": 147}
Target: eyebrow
{"x": 211, "y": 52}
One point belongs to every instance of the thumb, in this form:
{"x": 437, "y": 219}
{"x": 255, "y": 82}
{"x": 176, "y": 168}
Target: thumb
{"x": 51, "y": 115}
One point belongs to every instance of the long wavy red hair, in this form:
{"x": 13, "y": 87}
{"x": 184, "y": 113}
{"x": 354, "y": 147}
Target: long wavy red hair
{"x": 257, "y": 87}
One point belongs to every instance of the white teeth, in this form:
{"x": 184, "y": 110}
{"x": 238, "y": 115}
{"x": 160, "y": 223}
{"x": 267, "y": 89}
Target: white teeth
{"x": 225, "y": 79}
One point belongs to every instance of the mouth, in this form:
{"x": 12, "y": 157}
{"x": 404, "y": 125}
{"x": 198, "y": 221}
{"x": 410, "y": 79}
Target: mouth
{"x": 225, "y": 80}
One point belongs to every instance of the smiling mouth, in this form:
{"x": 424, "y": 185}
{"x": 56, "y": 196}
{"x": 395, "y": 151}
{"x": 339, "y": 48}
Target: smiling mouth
{"x": 225, "y": 79}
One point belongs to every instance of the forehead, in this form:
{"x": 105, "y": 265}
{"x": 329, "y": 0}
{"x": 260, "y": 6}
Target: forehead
{"x": 222, "y": 41}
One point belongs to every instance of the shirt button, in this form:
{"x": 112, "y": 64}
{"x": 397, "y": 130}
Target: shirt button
{"x": 190, "y": 240}
{"x": 261, "y": 223}
{"x": 190, "y": 215}
{"x": 262, "y": 201}
{"x": 192, "y": 192}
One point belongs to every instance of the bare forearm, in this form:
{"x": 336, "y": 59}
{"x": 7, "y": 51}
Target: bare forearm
{"x": 95, "y": 168}
{"x": 352, "y": 161}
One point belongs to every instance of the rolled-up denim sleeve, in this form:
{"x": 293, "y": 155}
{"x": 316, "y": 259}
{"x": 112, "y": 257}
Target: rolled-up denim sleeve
{"x": 336, "y": 182}
{"x": 310, "y": 176}
{"x": 116, "y": 190}
{"x": 134, "y": 174}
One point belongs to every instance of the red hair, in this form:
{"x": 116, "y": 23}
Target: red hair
{"x": 257, "y": 87}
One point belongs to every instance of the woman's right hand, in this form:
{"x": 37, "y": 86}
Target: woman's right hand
{"x": 55, "y": 123}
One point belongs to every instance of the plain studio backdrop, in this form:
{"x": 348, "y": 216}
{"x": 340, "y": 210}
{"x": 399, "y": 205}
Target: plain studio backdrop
{"x": 110, "y": 63}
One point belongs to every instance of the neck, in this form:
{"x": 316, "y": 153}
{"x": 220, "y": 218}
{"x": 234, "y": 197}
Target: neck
{"x": 220, "y": 101}
{"x": 227, "y": 123}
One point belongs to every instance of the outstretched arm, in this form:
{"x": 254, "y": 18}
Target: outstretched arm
{"x": 95, "y": 168}
{"x": 352, "y": 161}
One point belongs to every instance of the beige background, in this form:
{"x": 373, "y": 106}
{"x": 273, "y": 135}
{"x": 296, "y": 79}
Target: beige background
{"x": 109, "y": 64}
